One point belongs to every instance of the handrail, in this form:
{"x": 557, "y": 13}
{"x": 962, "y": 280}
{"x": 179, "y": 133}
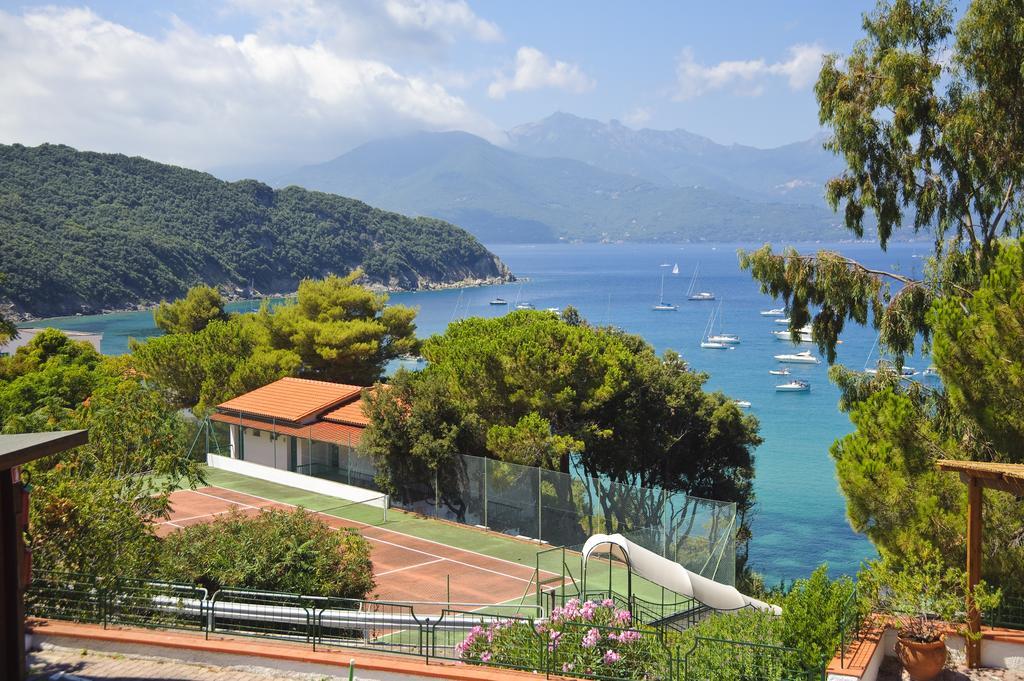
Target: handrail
{"x": 394, "y": 627}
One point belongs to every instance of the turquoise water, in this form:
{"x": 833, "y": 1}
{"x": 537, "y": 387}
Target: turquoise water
{"x": 800, "y": 515}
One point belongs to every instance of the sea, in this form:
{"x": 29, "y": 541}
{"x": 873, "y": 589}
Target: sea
{"x": 799, "y": 520}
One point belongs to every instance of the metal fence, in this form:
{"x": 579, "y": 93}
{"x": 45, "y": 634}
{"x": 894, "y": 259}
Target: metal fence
{"x": 1009, "y": 614}
{"x": 398, "y": 628}
{"x": 559, "y": 508}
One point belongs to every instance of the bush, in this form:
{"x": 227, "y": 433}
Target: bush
{"x": 812, "y": 613}
{"x": 291, "y": 551}
{"x": 580, "y": 639}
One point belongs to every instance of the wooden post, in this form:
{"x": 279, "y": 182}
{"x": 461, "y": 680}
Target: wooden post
{"x": 974, "y": 523}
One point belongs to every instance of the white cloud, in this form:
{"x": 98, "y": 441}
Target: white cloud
{"x": 637, "y": 116}
{"x": 443, "y": 16}
{"x": 749, "y": 77}
{"x": 535, "y": 70}
{"x": 68, "y": 75}
{"x": 370, "y": 27}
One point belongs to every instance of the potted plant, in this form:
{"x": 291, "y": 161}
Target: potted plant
{"x": 923, "y": 600}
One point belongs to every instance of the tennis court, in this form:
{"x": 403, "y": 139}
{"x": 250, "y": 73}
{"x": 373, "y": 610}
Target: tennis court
{"x": 408, "y": 566}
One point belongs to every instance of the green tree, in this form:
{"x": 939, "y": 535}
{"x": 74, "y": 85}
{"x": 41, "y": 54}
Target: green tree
{"x": 7, "y": 328}
{"x": 341, "y": 331}
{"x": 979, "y": 345}
{"x": 49, "y": 370}
{"x": 225, "y": 359}
{"x": 530, "y": 388}
{"x": 927, "y": 118}
{"x": 92, "y": 508}
{"x": 335, "y": 330}
{"x": 930, "y": 127}
{"x": 200, "y": 306}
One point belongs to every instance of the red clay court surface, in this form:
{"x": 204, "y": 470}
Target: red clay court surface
{"x": 406, "y": 568}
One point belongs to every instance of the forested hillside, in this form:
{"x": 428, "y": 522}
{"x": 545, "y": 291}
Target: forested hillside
{"x": 83, "y": 231}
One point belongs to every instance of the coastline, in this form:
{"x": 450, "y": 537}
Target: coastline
{"x": 236, "y": 295}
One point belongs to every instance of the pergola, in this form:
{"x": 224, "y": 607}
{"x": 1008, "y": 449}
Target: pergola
{"x": 979, "y": 475}
{"x": 16, "y": 450}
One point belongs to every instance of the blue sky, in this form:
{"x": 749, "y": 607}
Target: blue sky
{"x": 248, "y": 82}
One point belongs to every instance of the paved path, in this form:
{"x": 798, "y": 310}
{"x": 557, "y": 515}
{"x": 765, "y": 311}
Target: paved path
{"x": 54, "y": 663}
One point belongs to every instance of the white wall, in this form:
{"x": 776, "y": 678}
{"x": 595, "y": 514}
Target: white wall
{"x": 296, "y": 480}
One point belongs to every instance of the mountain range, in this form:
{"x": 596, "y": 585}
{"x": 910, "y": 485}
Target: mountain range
{"x": 573, "y": 178}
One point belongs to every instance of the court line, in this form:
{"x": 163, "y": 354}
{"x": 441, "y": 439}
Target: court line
{"x": 380, "y": 540}
{"x": 410, "y": 567}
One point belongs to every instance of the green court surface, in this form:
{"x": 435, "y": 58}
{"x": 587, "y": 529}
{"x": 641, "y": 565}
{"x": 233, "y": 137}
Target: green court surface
{"x": 553, "y": 564}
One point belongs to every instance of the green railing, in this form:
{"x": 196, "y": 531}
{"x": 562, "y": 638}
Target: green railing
{"x": 397, "y": 628}
{"x": 131, "y": 602}
{"x": 850, "y": 624}
{"x": 1009, "y": 614}
{"x": 712, "y": 659}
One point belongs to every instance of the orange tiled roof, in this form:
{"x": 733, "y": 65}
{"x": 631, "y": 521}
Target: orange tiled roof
{"x": 351, "y": 413}
{"x": 291, "y": 399}
{"x": 320, "y": 431}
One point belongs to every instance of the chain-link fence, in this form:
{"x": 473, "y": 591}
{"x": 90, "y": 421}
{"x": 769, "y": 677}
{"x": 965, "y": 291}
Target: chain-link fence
{"x": 555, "y": 507}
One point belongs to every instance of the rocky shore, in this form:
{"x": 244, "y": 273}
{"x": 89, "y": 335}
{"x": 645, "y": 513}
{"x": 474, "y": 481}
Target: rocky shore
{"x": 232, "y": 294}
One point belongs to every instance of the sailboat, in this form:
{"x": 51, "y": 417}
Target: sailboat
{"x": 525, "y": 304}
{"x": 709, "y": 342}
{"x": 675, "y": 268}
{"x": 662, "y": 306}
{"x": 720, "y": 337}
{"x": 700, "y": 295}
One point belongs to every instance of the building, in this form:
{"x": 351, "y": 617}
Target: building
{"x": 297, "y": 425}
{"x": 25, "y": 336}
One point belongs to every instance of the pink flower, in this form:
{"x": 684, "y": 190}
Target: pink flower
{"x": 623, "y": 616}
{"x": 591, "y": 638}
{"x": 567, "y": 666}
{"x": 611, "y": 657}
{"x": 485, "y": 656}
{"x": 588, "y": 610}
{"x": 608, "y": 603}
{"x": 629, "y": 636}
{"x": 555, "y": 639}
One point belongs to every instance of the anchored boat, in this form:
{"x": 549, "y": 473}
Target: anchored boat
{"x": 794, "y": 386}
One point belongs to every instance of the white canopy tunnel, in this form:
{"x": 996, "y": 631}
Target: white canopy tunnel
{"x": 671, "y": 575}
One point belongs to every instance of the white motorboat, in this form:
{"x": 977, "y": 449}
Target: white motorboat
{"x": 524, "y": 306}
{"x": 499, "y": 301}
{"x": 774, "y": 312}
{"x": 702, "y": 295}
{"x": 552, "y": 309}
{"x": 931, "y": 371}
{"x": 742, "y": 404}
{"x": 714, "y": 345}
{"x": 794, "y": 386}
{"x": 804, "y": 357}
{"x": 779, "y": 372}
{"x": 785, "y": 336}
{"x": 783, "y": 320}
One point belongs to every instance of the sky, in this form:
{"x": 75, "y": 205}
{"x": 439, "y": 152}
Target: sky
{"x": 217, "y": 84}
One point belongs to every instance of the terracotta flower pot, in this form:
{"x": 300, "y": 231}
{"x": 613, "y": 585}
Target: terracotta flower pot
{"x": 923, "y": 661}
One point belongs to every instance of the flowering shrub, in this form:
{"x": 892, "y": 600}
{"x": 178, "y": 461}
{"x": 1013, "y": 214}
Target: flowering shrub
{"x": 580, "y": 639}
